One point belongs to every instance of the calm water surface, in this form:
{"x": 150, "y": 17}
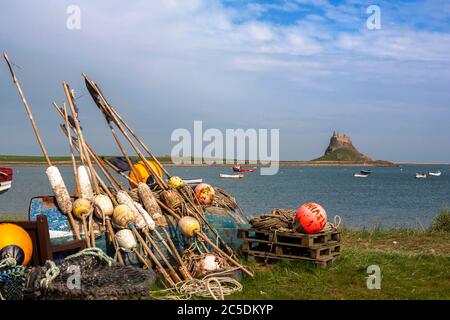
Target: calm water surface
{"x": 391, "y": 196}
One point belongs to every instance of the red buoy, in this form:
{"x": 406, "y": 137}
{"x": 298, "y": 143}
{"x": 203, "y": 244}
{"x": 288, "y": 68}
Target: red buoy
{"x": 311, "y": 218}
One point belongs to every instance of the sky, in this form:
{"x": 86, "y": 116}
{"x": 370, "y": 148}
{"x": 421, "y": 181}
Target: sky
{"x": 301, "y": 66}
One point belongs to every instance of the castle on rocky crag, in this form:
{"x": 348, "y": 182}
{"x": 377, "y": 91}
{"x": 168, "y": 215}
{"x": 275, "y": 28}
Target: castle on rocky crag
{"x": 341, "y": 149}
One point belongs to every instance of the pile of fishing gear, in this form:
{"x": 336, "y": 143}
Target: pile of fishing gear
{"x": 281, "y": 219}
{"x": 141, "y": 218}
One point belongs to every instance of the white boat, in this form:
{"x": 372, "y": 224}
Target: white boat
{"x": 435, "y": 174}
{"x": 193, "y": 181}
{"x": 6, "y": 177}
{"x": 231, "y": 176}
{"x": 360, "y": 175}
{"x": 421, "y": 176}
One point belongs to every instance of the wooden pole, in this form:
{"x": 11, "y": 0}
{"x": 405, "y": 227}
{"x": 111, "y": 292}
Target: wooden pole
{"x": 107, "y": 111}
{"x": 75, "y": 175}
{"x": 80, "y": 136}
{"x": 151, "y": 154}
{"x": 152, "y": 256}
{"x": 27, "y": 108}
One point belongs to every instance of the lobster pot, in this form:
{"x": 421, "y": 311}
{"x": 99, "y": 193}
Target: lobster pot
{"x": 59, "y": 189}
{"x": 85, "y": 183}
{"x": 103, "y": 206}
{"x": 148, "y": 220}
{"x": 126, "y": 240}
{"x": 150, "y": 204}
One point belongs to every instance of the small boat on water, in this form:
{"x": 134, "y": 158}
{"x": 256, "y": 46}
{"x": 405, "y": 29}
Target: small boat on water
{"x": 231, "y": 176}
{"x": 193, "y": 181}
{"x": 435, "y": 174}
{"x": 6, "y": 177}
{"x": 240, "y": 169}
{"x": 360, "y": 175}
{"x": 421, "y": 175}
{"x": 365, "y": 171}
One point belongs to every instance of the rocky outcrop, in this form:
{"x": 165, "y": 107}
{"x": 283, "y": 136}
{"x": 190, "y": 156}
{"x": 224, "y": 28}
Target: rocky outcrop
{"x": 341, "y": 149}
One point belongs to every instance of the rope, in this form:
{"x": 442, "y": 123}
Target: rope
{"x": 95, "y": 252}
{"x": 213, "y": 286}
{"x": 50, "y": 275}
{"x": 13, "y": 271}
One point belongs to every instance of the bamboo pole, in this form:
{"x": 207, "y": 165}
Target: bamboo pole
{"x": 75, "y": 175}
{"x": 27, "y": 108}
{"x": 152, "y": 256}
{"x": 108, "y": 112}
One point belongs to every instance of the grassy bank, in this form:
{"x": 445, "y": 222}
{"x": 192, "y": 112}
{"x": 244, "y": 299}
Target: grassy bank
{"x": 415, "y": 264}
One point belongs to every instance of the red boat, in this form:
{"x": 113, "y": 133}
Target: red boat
{"x": 6, "y": 176}
{"x": 239, "y": 169}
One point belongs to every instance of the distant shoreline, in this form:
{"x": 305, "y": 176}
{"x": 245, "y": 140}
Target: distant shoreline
{"x": 281, "y": 164}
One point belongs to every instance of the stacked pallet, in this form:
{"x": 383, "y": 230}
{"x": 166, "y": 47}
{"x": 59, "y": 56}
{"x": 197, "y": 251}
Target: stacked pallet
{"x": 321, "y": 249}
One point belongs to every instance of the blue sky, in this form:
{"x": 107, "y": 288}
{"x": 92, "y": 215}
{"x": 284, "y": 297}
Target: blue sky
{"x": 305, "y": 67}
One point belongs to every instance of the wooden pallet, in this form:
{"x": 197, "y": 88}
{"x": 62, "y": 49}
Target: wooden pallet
{"x": 321, "y": 248}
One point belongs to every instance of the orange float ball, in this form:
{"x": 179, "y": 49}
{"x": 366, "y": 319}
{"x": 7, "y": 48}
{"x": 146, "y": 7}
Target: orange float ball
{"x": 204, "y": 194}
{"x": 311, "y": 218}
{"x": 15, "y": 243}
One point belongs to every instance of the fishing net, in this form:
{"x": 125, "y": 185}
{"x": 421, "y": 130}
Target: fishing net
{"x": 88, "y": 275}
{"x": 12, "y": 280}
{"x": 224, "y": 200}
{"x": 277, "y": 219}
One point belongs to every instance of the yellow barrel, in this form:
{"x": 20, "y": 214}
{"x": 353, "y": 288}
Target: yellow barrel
{"x": 142, "y": 173}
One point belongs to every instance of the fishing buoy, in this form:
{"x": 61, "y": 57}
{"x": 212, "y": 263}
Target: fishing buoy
{"x": 59, "y": 189}
{"x": 150, "y": 223}
{"x": 189, "y": 226}
{"x": 82, "y": 208}
{"x": 171, "y": 198}
{"x": 176, "y": 182}
{"x": 311, "y": 218}
{"x": 84, "y": 180}
{"x": 142, "y": 173}
{"x": 103, "y": 206}
{"x": 126, "y": 240}
{"x": 124, "y": 198}
{"x": 123, "y": 215}
{"x": 209, "y": 263}
{"x": 150, "y": 204}
{"x": 204, "y": 194}
{"x": 15, "y": 243}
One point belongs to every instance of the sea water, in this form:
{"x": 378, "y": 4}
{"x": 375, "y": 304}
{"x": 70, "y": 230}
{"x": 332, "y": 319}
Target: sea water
{"x": 390, "y": 196}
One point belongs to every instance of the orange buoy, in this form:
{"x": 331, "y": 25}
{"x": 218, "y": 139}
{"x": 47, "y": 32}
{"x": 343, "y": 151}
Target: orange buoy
{"x": 204, "y": 193}
{"x": 311, "y": 218}
{"x": 15, "y": 243}
{"x": 142, "y": 173}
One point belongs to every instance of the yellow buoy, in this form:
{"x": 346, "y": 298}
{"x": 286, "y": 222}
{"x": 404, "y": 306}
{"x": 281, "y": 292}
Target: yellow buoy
{"x": 81, "y": 208}
{"x": 189, "y": 226}
{"x": 142, "y": 173}
{"x": 176, "y": 182}
{"x": 15, "y": 243}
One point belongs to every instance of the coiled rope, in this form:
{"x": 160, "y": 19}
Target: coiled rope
{"x": 215, "y": 285}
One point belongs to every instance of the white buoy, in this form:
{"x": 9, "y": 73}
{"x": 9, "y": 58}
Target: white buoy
{"x": 126, "y": 240}
{"x": 148, "y": 220}
{"x": 59, "y": 189}
{"x": 103, "y": 206}
{"x": 124, "y": 198}
{"x": 85, "y": 183}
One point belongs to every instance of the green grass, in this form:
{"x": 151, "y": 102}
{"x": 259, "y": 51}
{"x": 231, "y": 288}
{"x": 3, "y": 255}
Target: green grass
{"x": 415, "y": 264}
{"x": 404, "y": 276}
{"x": 441, "y": 223}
